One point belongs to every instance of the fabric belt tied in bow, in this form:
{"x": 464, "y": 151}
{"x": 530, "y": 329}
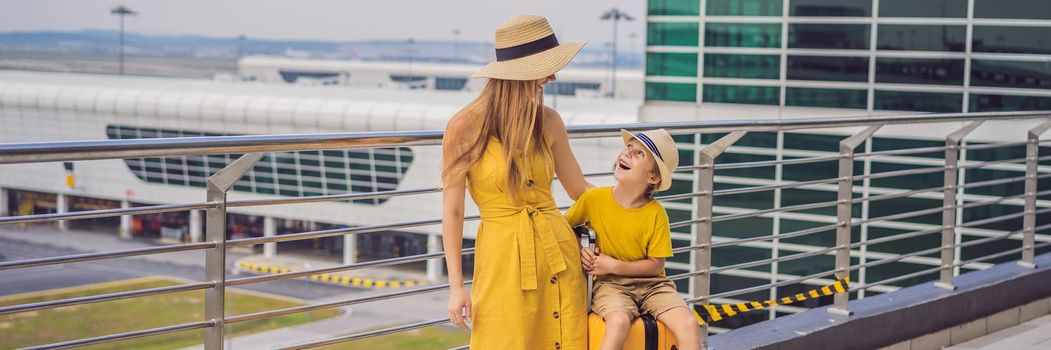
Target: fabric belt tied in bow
{"x": 532, "y": 226}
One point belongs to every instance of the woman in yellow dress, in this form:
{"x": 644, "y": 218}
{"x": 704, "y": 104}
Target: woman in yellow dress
{"x": 505, "y": 148}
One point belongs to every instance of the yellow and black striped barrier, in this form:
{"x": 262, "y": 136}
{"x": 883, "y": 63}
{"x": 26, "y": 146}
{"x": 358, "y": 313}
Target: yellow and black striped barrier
{"x": 335, "y": 279}
{"x": 716, "y": 313}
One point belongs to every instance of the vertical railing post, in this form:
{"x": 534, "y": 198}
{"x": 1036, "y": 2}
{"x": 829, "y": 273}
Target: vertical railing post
{"x": 1032, "y": 159}
{"x": 215, "y": 258}
{"x": 702, "y": 257}
{"x": 844, "y": 214}
{"x": 950, "y": 189}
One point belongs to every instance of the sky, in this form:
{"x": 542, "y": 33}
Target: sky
{"x": 328, "y": 20}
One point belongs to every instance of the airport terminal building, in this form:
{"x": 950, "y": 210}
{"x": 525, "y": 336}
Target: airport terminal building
{"x": 705, "y": 60}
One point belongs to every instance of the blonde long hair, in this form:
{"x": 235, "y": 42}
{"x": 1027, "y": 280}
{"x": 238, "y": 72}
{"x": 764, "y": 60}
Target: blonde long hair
{"x": 513, "y": 114}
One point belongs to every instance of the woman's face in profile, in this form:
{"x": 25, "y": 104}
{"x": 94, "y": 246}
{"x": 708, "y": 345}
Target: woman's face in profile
{"x": 540, "y": 83}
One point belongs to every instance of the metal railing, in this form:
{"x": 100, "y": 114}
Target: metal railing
{"x": 700, "y": 248}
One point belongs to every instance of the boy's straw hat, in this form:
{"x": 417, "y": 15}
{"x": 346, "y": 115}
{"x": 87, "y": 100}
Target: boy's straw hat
{"x": 662, "y": 148}
{"x": 526, "y": 49}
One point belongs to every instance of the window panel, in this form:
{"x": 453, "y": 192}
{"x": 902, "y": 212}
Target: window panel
{"x": 921, "y": 37}
{"x": 832, "y": 98}
{"x": 1034, "y": 40}
{"x": 828, "y": 68}
{"x": 919, "y": 71}
{"x": 671, "y": 64}
{"x": 449, "y": 83}
{"x": 566, "y": 88}
{"x": 828, "y": 36}
{"x": 671, "y": 92}
{"x": 917, "y": 101}
{"x": 763, "y": 95}
{"x": 754, "y": 172}
{"x": 893, "y": 143}
{"x": 984, "y": 103}
{"x": 1012, "y": 9}
{"x": 282, "y": 173}
{"x": 742, "y": 35}
{"x": 1032, "y": 75}
{"x": 673, "y": 7}
{"x": 923, "y": 8}
{"x": 672, "y": 34}
{"x": 813, "y": 142}
{"x": 834, "y": 8}
{"x": 743, "y": 8}
{"x": 751, "y": 139}
{"x": 742, "y": 66}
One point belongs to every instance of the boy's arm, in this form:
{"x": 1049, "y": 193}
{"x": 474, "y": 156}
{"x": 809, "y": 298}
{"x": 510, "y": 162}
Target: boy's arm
{"x": 577, "y": 213}
{"x": 657, "y": 249}
{"x": 648, "y": 267}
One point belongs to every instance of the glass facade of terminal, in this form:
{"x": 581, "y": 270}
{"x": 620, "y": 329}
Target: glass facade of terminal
{"x": 292, "y": 174}
{"x": 905, "y": 55}
{"x": 852, "y": 53}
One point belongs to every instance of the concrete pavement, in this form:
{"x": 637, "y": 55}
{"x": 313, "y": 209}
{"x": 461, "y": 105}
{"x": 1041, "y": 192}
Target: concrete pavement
{"x": 1032, "y": 335}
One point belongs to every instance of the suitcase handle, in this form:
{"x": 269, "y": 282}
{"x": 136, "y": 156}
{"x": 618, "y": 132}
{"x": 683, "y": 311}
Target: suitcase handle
{"x": 587, "y": 239}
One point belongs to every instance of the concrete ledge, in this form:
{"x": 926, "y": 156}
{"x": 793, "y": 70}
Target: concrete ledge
{"x": 917, "y": 317}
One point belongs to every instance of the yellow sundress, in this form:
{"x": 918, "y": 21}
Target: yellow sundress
{"x": 529, "y": 287}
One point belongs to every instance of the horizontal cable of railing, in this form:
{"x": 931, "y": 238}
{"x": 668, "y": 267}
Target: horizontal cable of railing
{"x": 157, "y": 147}
{"x": 341, "y": 268}
{"x": 936, "y": 269}
{"x": 153, "y": 209}
{"x": 794, "y": 234}
{"x": 368, "y": 334}
{"x": 825, "y": 273}
{"x": 903, "y": 151}
{"x": 105, "y": 297}
{"x": 336, "y": 232}
{"x": 934, "y": 250}
{"x": 894, "y": 217}
{"x": 339, "y": 303}
{"x": 968, "y": 224}
{"x": 10, "y": 265}
{"x": 106, "y": 213}
{"x": 124, "y": 336}
{"x": 762, "y": 287}
{"x": 331, "y": 197}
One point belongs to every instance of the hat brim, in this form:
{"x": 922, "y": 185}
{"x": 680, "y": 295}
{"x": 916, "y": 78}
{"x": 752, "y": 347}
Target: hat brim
{"x": 533, "y": 67}
{"x": 661, "y": 166}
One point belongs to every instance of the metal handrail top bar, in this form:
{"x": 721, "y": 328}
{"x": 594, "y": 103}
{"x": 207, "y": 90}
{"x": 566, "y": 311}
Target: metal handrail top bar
{"x": 156, "y": 147}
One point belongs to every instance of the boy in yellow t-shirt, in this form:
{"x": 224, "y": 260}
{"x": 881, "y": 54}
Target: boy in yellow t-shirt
{"x": 633, "y": 241}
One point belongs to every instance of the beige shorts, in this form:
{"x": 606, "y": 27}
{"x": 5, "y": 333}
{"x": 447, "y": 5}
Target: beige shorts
{"x": 635, "y": 296}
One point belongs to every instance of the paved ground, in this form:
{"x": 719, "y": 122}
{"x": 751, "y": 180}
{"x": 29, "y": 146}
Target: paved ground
{"x": 1032, "y": 335}
{"x": 45, "y": 241}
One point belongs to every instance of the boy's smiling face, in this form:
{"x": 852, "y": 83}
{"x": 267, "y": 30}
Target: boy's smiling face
{"x": 635, "y": 165}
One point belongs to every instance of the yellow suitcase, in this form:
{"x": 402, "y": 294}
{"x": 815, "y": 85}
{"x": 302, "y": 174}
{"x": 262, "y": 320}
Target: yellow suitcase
{"x": 646, "y": 332}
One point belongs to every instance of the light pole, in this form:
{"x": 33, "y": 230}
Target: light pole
{"x": 615, "y": 15}
{"x": 412, "y": 44}
{"x": 456, "y": 45}
{"x": 633, "y": 48}
{"x": 240, "y": 46}
{"x": 122, "y": 11}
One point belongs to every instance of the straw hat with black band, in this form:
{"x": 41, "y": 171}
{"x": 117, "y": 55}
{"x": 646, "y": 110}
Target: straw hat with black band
{"x": 659, "y": 144}
{"x": 526, "y": 49}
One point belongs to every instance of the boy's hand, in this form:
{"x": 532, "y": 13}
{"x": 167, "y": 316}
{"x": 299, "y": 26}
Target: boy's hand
{"x": 604, "y": 265}
{"x": 587, "y": 258}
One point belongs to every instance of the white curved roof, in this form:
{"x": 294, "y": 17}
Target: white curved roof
{"x": 333, "y": 108}
{"x": 420, "y": 68}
